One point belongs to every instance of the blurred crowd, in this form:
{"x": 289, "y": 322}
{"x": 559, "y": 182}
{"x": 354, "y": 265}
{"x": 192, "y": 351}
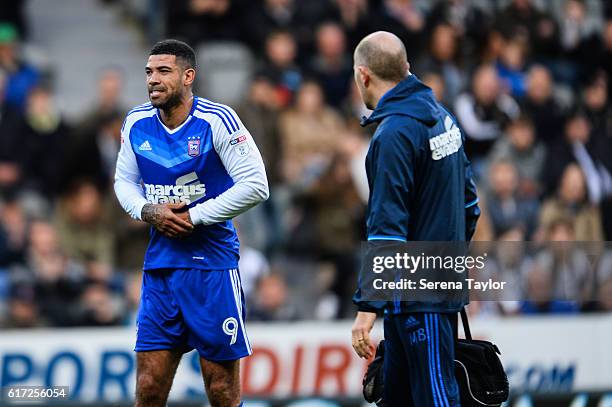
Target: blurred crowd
{"x": 529, "y": 82}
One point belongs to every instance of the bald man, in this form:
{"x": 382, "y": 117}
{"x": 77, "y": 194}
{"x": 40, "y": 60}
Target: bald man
{"x": 420, "y": 190}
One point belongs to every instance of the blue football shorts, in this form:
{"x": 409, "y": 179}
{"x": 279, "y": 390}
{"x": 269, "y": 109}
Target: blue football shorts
{"x": 188, "y": 309}
{"x": 419, "y": 367}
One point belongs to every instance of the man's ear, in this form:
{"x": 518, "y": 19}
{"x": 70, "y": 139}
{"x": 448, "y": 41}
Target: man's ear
{"x": 188, "y": 76}
{"x": 364, "y": 75}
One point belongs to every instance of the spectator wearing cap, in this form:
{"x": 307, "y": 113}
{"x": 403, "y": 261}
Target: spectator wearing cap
{"x": 22, "y": 77}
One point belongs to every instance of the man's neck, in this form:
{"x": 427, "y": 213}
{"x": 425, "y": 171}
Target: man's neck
{"x": 381, "y": 90}
{"x": 175, "y": 116}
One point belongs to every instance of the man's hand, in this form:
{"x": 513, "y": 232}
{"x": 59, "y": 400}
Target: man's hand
{"x": 166, "y": 221}
{"x": 361, "y": 334}
{"x": 181, "y": 211}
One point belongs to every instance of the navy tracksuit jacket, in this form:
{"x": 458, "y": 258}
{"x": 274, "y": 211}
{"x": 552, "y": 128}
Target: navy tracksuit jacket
{"x": 421, "y": 189}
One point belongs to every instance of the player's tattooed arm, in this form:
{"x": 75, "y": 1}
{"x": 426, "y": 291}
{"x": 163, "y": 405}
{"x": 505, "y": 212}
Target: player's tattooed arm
{"x": 164, "y": 219}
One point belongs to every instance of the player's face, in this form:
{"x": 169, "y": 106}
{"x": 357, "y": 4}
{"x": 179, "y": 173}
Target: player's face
{"x": 165, "y": 81}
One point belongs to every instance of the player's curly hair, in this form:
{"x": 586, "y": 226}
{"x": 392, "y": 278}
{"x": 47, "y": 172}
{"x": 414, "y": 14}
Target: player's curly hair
{"x": 183, "y": 52}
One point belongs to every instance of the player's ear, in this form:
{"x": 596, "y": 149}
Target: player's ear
{"x": 188, "y": 76}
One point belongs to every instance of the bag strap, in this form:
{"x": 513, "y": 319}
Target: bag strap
{"x": 466, "y": 324}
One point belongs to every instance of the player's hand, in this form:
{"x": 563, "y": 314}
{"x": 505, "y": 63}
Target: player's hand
{"x": 163, "y": 218}
{"x": 361, "y": 334}
{"x": 181, "y": 210}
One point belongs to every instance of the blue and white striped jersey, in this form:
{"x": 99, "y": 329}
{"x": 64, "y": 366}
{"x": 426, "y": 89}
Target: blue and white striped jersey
{"x": 210, "y": 162}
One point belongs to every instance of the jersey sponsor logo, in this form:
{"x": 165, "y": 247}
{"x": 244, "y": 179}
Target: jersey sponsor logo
{"x": 237, "y": 140}
{"x": 146, "y": 146}
{"x": 193, "y": 146}
{"x": 447, "y": 143}
{"x": 241, "y": 147}
{"x": 187, "y": 189}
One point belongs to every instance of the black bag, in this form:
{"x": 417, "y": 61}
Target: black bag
{"x": 478, "y": 370}
{"x": 373, "y": 389}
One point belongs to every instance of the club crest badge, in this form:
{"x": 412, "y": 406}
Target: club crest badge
{"x": 193, "y": 146}
{"x": 241, "y": 146}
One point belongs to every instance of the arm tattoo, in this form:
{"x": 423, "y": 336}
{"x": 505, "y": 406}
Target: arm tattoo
{"x": 152, "y": 214}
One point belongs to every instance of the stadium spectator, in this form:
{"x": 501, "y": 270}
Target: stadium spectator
{"x": 571, "y": 202}
{"x": 442, "y": 60}
{"x": 58, "y": 280}
{"x": 280, "y": 64}
{"x": 23, "y": 309}
{"x": 511, "y": 66}
{"x": 468, "y": 19}
{"x": 206, "y": 20}
{"x": 11, "y": 151}
{"x": 540, "y": 104}
{"x": 604, "y": 296}
{"x": 354, "y": 16}
{"x": 22, "y": 77}
{"x": 604, "y": 58}
{"x": 295, "y": 16}
{"x": 506, "y": 206}
{"x": 522, "y": 17}
{"x": 405, "y": 19}
{"x": 13, "y": 234}
{"x": 98, "y": 307}
{"x": 108, "y": 100}
{"x": 331, "y": 66}
{"x": 253, "y": 267}
{"x": 83, "y": 226}
{"x": 520, "y": 147}
{"x": 578, "y": 37}
{"x": 572, "y": 274}
{"x": 309, "y": 134}
{"x": 272, "y": 302}
{"x": 483, "y": 112}
{"x": 13, "y": 13}
{"x": 540, "y": 298}
{"x": 334, "y": 210}
{"x": 259, "y": 112}
{"x": 92, "y": 151}
{"x": 579, "y": 147}
{"x": 44, "y": 135}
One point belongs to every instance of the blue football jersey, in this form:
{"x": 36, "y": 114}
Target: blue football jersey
{"x": 210, "y": 162}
